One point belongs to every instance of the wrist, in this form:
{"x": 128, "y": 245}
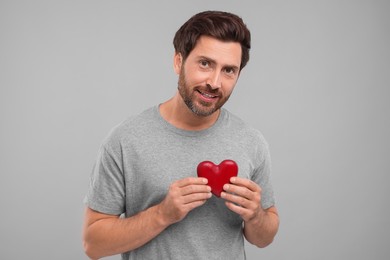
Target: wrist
{"x": 159, "y": 216}
{"x": 257, "y": 219}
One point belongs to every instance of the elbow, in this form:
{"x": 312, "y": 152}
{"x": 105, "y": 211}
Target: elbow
{"x": 260, "y": 242}
{"x": 265, "y": 243}
{"x": 90, "y": 250}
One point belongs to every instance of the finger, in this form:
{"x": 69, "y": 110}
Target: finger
{"x": 191, "y": 180}
{"x": 194, "y": 204}
{"x": 246, "y": 214}
{"x": 240, "y": 191}
{"x": 237, "y": 209}
{"x": 195, "y": 188}
{"x": 189, "y": 199}
{"x": 238, "y": 200}
{"x": 245, "y": 183}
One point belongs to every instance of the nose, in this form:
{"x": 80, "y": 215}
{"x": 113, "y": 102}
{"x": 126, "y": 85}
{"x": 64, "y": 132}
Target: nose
{"x": 214, "y": 80}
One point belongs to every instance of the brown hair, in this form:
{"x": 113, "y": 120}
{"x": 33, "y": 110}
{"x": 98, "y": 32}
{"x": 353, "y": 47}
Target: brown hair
{"x": 220, "y": 25}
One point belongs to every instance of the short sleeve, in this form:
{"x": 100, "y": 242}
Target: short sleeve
{"x": 106, "y": 193}
{"x": 262, "y": 176}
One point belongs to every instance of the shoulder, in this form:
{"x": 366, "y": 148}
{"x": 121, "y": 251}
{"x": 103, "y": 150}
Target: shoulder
{"x": 243, "y": 130}
{"x": 132, "y": 127}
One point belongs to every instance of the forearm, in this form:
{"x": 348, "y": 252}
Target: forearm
{"x": 109, "y": 236}
{"x": 261, "y": 230}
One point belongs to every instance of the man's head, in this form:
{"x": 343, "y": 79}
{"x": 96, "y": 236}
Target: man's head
{"x": 223, "y": 26}
{"x": 211, "y": 48}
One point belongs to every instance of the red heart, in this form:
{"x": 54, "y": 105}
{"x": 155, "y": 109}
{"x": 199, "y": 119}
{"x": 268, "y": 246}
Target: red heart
{"x": 217, "y": 175}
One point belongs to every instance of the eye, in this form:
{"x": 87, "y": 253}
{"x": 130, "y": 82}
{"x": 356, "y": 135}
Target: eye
{"x": 230, "y": 71}
{"x": 204, "y": 63}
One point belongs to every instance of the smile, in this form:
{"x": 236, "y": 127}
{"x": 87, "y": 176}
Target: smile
{"x": 207, "y": 95}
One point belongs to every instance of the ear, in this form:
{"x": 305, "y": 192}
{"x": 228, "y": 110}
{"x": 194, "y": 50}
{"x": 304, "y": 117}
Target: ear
{"x": 177, "y": 62}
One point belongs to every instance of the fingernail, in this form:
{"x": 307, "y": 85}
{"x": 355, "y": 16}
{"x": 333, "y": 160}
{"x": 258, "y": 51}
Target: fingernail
{"x": 226, "y": 186}
{"x": 232, "y": 179}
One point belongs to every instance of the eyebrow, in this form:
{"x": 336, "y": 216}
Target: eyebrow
{"x": 215, "y": 62}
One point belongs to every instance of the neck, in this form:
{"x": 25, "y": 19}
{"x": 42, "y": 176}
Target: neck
{"x": 176, "y": 112}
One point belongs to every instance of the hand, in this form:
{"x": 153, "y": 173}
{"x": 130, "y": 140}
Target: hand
{"x": 243, "y": 196}
{"x": 183, "y": 196}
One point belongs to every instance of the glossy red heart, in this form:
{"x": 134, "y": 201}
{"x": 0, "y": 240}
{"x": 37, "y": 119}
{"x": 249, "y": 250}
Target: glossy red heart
{"x": 217, "y": 175}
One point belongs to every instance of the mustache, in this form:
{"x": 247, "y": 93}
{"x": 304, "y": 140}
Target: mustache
{"x": 208, "y": 89}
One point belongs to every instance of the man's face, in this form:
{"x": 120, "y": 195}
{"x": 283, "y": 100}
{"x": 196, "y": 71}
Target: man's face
{"x": 208, "y": 76}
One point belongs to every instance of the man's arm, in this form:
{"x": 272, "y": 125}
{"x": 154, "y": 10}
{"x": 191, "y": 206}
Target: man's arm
{"x": 262, "y": 229}
{"x": 105, "y": 235}
{"x": 243, "y": 196}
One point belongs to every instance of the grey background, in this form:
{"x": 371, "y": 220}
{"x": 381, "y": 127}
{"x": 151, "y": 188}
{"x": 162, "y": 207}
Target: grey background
{"x": 317, "y": 85}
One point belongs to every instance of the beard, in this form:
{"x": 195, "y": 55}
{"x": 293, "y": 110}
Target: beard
{"x": 199, "y": 107}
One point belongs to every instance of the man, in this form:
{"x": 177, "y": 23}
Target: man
{"x": 146, "y": 168}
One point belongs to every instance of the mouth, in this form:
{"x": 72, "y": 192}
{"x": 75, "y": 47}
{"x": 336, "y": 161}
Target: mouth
{"x": 207, "y": 96}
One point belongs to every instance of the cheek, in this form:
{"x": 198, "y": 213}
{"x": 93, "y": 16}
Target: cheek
{"x": 196, "y": 78}
{"x": 228, "y": 86}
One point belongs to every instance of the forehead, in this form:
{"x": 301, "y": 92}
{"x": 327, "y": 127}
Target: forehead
{"x": 225, "y": 53}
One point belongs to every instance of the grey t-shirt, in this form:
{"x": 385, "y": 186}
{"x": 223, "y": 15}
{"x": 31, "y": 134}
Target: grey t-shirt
{"x": 143, "y": 155}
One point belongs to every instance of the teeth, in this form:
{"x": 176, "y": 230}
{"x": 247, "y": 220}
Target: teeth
{"x": 207, "y": 95}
